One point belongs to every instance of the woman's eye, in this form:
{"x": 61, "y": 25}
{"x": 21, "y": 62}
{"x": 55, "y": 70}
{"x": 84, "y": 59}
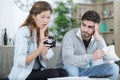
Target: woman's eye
{"x": 42, "y": 17}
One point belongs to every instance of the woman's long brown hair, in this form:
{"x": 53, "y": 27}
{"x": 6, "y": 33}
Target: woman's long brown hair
{"x": 37, "y": 8}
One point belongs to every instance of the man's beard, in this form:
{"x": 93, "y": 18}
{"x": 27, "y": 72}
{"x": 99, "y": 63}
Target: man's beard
{"x": 86, "y": 35}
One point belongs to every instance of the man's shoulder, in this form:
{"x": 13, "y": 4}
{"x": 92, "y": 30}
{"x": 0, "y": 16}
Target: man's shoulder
{"x": 73, "y": 31}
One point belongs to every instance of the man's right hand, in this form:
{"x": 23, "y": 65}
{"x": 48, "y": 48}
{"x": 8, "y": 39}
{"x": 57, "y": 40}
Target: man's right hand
{"x": 98, "y": 54}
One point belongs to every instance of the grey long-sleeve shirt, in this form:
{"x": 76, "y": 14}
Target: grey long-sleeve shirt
{"x": 74, "y": 52}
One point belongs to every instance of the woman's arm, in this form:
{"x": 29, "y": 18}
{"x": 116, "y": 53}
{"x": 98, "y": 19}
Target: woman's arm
{"x": 44, "y": 52}
{"x": 33, "y": 55}
{"x": 45, "y": 49}
{"x": 42, "y": 49}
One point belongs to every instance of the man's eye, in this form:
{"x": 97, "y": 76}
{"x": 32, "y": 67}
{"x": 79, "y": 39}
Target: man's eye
{"x": 90, "y": 27}
{"x": 83, "y": 24}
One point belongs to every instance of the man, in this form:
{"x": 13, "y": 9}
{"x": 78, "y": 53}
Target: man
{"x": 82, "y": 50}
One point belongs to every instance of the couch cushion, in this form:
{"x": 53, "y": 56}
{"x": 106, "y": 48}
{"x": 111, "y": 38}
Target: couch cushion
{"x": 53, "y": 61}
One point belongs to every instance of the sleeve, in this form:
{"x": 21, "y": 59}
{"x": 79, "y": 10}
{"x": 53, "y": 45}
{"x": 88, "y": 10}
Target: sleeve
{"x": 101, "y": 43}
{"x": 49, "y": 54}
{"x": 68, "y": 55}
{"x": 21, "y": 47}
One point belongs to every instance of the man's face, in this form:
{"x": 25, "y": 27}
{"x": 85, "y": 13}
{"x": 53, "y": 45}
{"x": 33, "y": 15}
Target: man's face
{"x": 87, "y": 29}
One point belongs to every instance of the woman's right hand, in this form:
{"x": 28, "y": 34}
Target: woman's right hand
{"x": 38, "y": 51}
{"x": 42, "y": 45}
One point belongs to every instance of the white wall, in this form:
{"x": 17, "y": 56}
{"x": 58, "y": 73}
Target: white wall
{"x": 11, "y": 17}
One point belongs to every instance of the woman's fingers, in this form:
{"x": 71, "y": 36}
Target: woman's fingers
{"x": 42, "y": 44}
{"x": 43, "y": 28}
{"x": 44, "y": 39}
{"x": 47, "y": 45}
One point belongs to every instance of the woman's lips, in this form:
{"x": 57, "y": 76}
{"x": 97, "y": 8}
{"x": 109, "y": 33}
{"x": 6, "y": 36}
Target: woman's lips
{"x": 43, "y": 25}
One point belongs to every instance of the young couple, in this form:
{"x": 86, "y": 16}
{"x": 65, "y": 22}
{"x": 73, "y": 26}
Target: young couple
{"x": 80, "y": 47}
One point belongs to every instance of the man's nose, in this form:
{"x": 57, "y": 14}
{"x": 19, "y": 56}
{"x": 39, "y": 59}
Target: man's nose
{"x": 86, "y": 28}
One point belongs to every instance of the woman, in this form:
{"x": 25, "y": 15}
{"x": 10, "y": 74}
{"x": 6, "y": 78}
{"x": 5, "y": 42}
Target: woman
{"x": 30, "y": 51}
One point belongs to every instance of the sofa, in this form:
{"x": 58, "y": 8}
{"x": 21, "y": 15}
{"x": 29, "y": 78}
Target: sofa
{"x": 6, "y": 60}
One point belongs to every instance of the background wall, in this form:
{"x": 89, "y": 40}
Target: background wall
{"x": 11, "y": 17}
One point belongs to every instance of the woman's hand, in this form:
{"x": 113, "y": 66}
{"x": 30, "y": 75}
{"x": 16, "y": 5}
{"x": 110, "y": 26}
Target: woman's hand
{"x": 44, "y": 48}
{"x": 42, "y": 32}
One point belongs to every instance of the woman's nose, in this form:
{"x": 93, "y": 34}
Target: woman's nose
{"x": 46, "y": 19}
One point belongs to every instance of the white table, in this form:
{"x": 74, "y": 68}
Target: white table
{"x": 78, "y": 78}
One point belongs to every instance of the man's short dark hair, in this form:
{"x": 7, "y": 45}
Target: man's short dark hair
{"x": 91, "y": 16}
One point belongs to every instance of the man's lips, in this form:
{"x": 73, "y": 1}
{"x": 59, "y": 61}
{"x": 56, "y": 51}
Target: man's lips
{"x": 84, "y": 33}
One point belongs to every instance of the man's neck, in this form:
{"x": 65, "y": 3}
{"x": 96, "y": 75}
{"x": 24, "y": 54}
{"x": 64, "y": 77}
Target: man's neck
{"x": 86, "y": 42}
{"x": 87, "y": 39}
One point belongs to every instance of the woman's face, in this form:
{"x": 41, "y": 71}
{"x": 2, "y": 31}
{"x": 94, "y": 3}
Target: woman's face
{"x": 42, "y": 19}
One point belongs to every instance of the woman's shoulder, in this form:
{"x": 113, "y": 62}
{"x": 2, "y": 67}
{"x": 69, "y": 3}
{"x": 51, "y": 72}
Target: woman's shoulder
{"x": 24, "y": 30}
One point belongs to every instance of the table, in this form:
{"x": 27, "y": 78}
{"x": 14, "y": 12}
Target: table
{"x": 78, "y": 78}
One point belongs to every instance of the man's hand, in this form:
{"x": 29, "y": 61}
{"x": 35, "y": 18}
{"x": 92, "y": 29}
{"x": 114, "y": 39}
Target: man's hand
{"x": 98, "y": 54}
{"x": 96, "y": 33}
